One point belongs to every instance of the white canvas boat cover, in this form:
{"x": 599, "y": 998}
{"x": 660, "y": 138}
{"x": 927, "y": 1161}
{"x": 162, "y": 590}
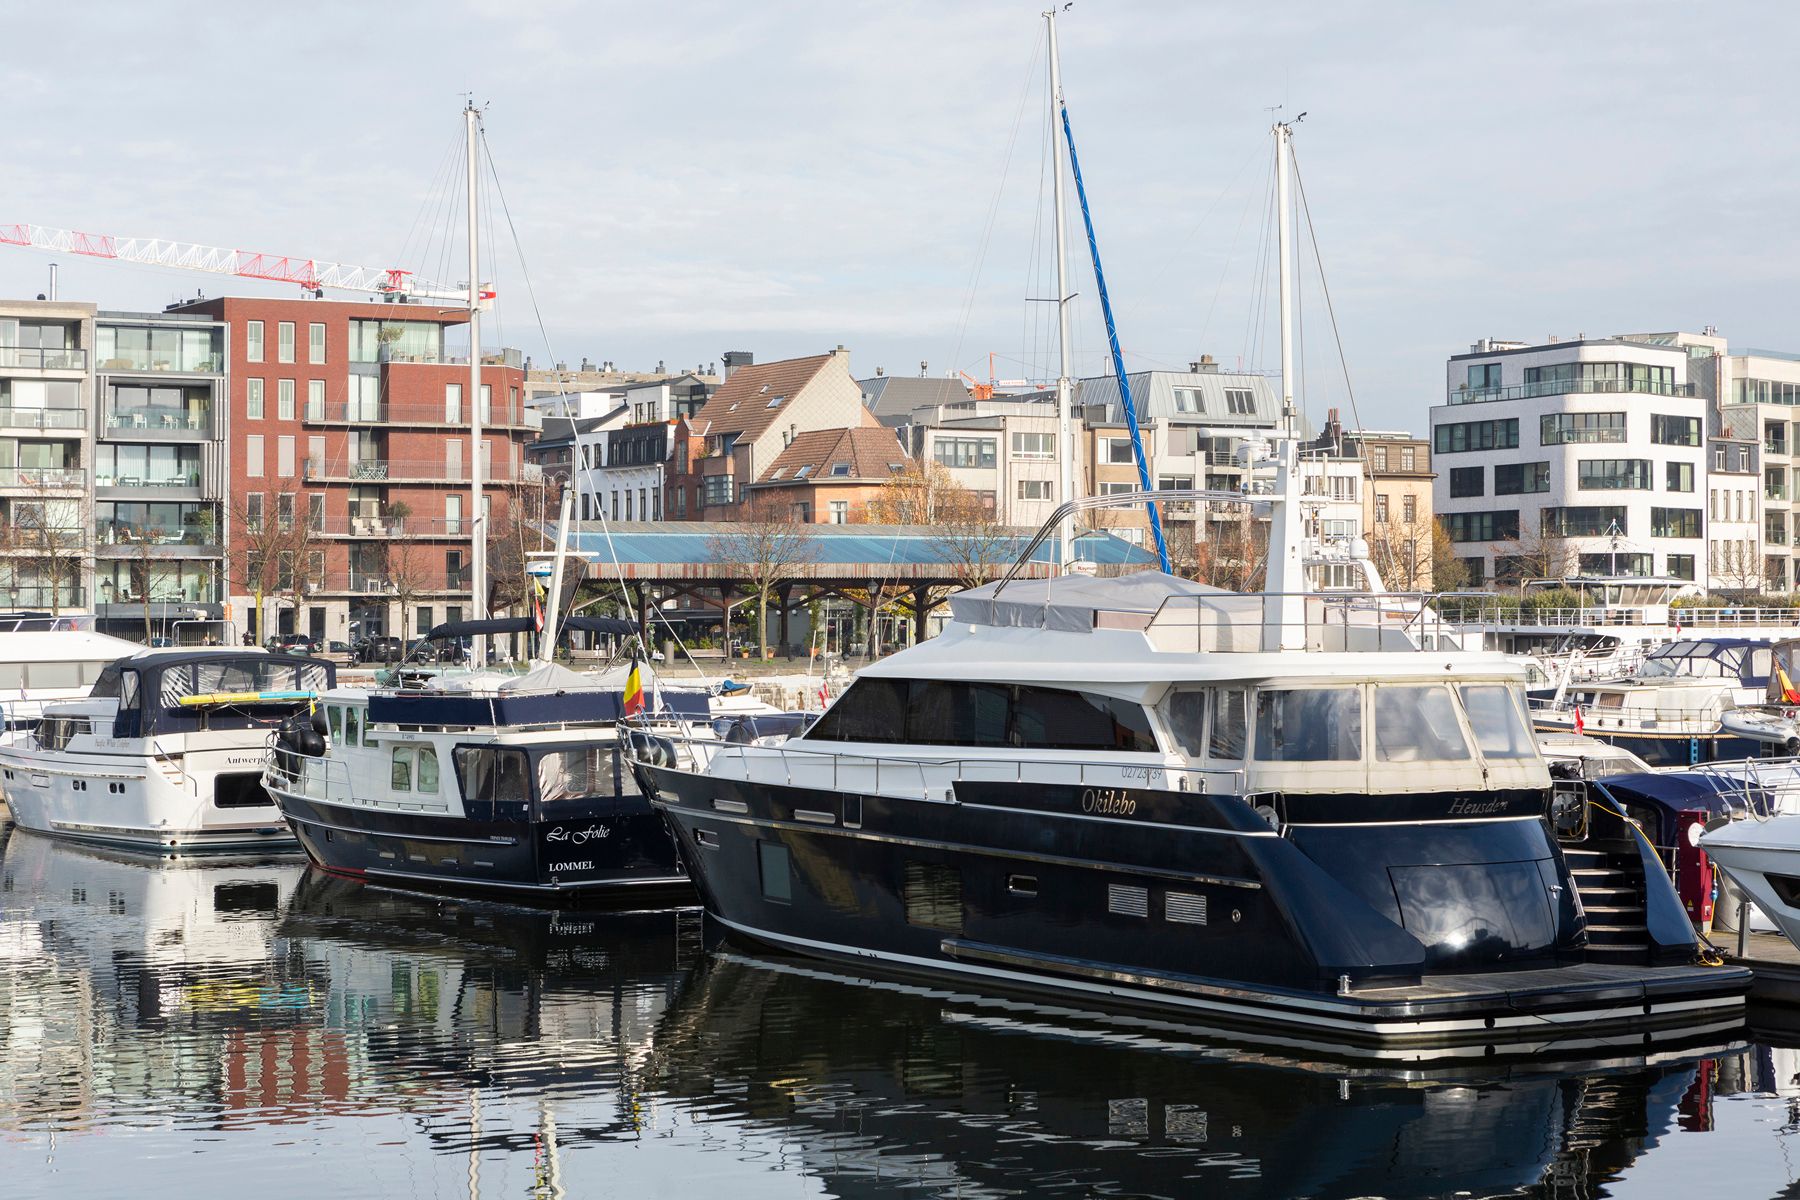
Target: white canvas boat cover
{"x": 1069, "y": 602}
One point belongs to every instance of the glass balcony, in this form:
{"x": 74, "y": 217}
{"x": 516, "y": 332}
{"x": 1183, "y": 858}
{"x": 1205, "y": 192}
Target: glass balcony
{"x": 423, "y": 469}
{"x": 40, "y": 595}
{"x": 1463, "y": 394}
{"x": 193, "y": 419}
{"x": 132, "y": 348}
{"x": 33, "y": 358}
{"x": 42, "y": 477}
{"x": 42, "y": 418}
{"x": 1775, "y": 491}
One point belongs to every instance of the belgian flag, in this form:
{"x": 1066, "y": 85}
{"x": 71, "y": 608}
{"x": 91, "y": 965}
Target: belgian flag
{"x": 634, "y": 691}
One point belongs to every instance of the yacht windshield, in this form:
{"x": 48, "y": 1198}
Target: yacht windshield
{"x": 1316, "y": 725}
{"x": 1417, "y": 724}
{"x": 1695, "y": 660}
{"x": 1498, "y": 721}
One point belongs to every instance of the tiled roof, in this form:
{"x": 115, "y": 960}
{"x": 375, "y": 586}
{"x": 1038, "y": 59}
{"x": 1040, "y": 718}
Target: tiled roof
{"x": 865, "y": 452}
{"x": 742, "y": 405}
{"x": 894, "y": 398}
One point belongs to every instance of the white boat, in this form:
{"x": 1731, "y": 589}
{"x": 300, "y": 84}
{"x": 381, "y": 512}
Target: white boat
{"x": 165, "y": 753}
{"x": 45, "y": 661}
{"x": 1762, "y": 858}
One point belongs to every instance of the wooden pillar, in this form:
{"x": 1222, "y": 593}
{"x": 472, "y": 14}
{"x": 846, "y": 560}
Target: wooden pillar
{"x": 783, "y": 595}
{"x": 922, "y": 607}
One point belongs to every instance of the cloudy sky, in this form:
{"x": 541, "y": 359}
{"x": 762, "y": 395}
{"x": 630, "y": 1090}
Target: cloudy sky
{"x": 690, "y": 177}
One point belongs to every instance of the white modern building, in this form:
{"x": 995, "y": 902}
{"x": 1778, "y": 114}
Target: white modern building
{"x": 1583, "y": 456}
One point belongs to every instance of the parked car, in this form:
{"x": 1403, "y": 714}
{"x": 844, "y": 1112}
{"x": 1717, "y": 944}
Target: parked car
{"x": 294, "y": 643}
{"x": 381, "y": 648}
{"x": 337, "y": 648}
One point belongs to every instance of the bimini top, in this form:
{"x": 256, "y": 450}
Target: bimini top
{"x": 1072, "y": 602}
{"x": 245, "y": 688}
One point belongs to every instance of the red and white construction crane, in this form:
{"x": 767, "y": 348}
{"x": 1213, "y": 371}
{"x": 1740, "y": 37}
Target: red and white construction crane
{"x": 308, "y": 273}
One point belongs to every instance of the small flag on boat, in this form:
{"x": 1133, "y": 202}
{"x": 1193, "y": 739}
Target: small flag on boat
{"x": 634, "y": 692}
{"x": 1677, "y": 626}
{"x": 823, "y": 699}
{"x": 1578, "y": 722}
{"x": 537, "y": 606}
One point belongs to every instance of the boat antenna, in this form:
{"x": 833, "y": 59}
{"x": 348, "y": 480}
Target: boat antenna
{"x": 1065, "y": 426}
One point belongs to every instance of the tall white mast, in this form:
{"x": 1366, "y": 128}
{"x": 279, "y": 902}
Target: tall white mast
{"x": 1285, "y": 579}
{"x": 477, "y": 475}
{"x": 1065, "y": 428}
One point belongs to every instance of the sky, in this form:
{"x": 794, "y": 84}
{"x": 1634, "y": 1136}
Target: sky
{"x": 783, "y": 177}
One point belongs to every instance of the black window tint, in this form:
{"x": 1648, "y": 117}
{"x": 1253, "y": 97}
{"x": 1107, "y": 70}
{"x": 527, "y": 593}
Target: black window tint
{"x": 870, "y": 710}
{"x": 1050, "y": 719}
{"x": 1227, "y": 739}
{"x": 107, "y": 686}
{"x": 475, "y": 771}
{"x": 512, "y": 782}
{"x": 1185, "y": 711}
{"x": 956, "y": 714}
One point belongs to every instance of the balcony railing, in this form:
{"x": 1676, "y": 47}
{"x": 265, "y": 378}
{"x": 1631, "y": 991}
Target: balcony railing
{"x": 29, "y": 539}
{"x": 1463, "y": 394}
{"x": 42, "y": 418}
{"x": 424, "y": 470}
{"x": 175, "y": 479}
{"x": 158, "y": 418}
{"x": 40, "y": 596}
{"x": 113, "y": 533}
{"x": 1775, "y": 491}
{"x": 382, "y": 584}
{"x": 392, "y": 527}
{"x": 440, "y": 415}
{"x": 159, "y": 361}
{"x": 42, "y": 477}
{"x": 43, "y": 359}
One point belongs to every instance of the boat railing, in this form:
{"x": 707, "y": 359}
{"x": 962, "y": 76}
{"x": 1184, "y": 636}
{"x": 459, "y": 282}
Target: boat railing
{"x": 1472, "y": 611}
{"x": 1703, "y": 723}
{"x": 1229, "y": 622}
{"x": 797, "y": 764}
{"x": 1761, "y": 787}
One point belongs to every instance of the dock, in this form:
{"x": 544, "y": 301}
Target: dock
{"x": 1772, "y": 958}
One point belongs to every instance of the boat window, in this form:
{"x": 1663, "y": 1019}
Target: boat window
{"x": 428, "y": 770}
{"x": 1417, "y": 724}
{"x": 334, "y": 717}
{"x": 942, "y": 713}
{"x": 353, "y": 727}
{"x": 1185, "y": 712}
{"x": 1230, "y": 709}
{"x": 53, "y": 675}
{"x": 1052, "y": 719}
{"x": 1762, "y": 662}
{"x": 105, "y": 687}
{"x": 12, "y": 677}
{"x": 1315, "y": 725}
{"x": 1498, "y": 721}
{"x": 496, "y": 784}
{"x": 575, "y": 774}
{"x": 400, "y": 773}
{"x": 128, "y": 690}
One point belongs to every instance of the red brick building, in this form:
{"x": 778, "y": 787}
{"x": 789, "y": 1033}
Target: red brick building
{"x": 829, "y": 476}
{"x": 351, "y": 421}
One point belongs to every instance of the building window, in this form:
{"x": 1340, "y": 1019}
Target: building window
{"x": 1674, "y": 431}
{"x": 315, "y": 512}
{"x": 1408, "y": 457}
{"x": 453, "y": 403}
{"x": 253, "y": 399}
{"x": 1775, "y": 528}
{"x": 284, "y": 399}
{"x": 1477, "y": 569}
{"x": 1584, "y": 377}
{"x": 1681, "y": 566}
{"x": 1409, "y": 509}
{"x": 1034, "y": 445}
{"x": 1118, "y": 452}
{"x": 964, "y": 452}
{"x": 1378, "y": 458}
{"x": 315, "y": 342}
{"x": 1496, "y": 526}
{"x": 1672, "y": 522}
{"x": 1558, "y": 429}
{"x": 284, "y": 511}
{"x": 284, "y": 342}
{"x": 1189, "y": 400}
{"x": 284, "y": 457}
{"x": 1613, "y": 474}
{"x": 840, "y": 512}
{"x": 1467, "y": 481}
{"x": 315, "y": 399}
{"x": 1515, "y": 479}
{"x": 253, "y": 510}
{"x": 1240, "y": 402}
{"x": 1584, "y": 520}
{"x": 1609, "y": 563}
{"x": 1477, "y": 435}
{"x": 1034, "y": 489}
{"x": 253, "y": 341}
{"x": 1483, "y": 377}
{"x": 1381, "y": 509}
{"x": 253, "y": 456}
{"x": 1679, "y": 476}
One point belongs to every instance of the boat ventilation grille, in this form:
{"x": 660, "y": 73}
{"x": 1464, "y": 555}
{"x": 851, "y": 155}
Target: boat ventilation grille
{"x": 1184, "y": 908}
{"x": 1126, "y": 901}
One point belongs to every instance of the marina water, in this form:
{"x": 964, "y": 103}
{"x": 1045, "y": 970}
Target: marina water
{"x": 247, "y": 1026}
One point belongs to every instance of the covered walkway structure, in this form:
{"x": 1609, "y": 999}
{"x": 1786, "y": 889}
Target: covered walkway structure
{"x": 873, "y": 566}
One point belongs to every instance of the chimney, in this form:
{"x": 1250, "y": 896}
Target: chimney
{"x": 585, "y": 364}
{"x": 880, "y": 371}
{"x": 659, "y": 367}
{"x": 1206, "y": 366}
{"x": 924, "y": 368}
{"x": 733, "y": 359}
{"x": 842, "y": 355}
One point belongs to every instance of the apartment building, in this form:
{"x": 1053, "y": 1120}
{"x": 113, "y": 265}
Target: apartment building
{"x": 161, "y": 478}
{"x": 1758, "y": 394}
{"x": 347, "y": 429}
{"x": 1588, "y": 456}
{"x": 1398, "y": 520}
{"x": 46, "y": 456}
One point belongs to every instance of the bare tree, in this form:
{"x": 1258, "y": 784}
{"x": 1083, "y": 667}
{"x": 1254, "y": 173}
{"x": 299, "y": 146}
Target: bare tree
{"x": 1448, "y": 572}
{"x": 767, "y": 548}
{"x": 920, "y": 494}
{"x": 1234, "y": 551}
{"x": 517, "y": 532}
{"x": 408, "y": 571}
{"x": 1405, "y": 553}
{"x": 271, "y": 555}
{"x": 1736, "y": 566}
{"x": 1542, "y": 554}
{"x": 47, "y": 540}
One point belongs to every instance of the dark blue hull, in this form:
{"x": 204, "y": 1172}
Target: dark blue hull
{"x": 606, "y": 846}
{"x": 1192, "y": 902}
{"x": 1680, "y": 750}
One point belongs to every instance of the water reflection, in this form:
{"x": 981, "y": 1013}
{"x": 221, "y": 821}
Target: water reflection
{"x": 223, "y": 1026}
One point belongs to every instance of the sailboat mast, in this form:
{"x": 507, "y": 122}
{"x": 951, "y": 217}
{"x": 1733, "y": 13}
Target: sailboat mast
{"x": 1284, "y": 583}
{"x": 477, "y": 474}
{"x": 1065, "y": 426}
{"x": 1285, "y": 253}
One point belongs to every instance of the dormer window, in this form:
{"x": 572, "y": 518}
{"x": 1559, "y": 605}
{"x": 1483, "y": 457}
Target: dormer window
{"x": 775, "y": 401}
{"x": 803, "y": 472}
{"x": 840, "y": 468}
{"x": 777, "y": 473}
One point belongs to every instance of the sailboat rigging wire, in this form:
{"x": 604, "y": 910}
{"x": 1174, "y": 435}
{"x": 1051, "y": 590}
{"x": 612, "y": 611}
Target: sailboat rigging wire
{"x": 518, "y": 248}
{"x": 1112, "y": 340}
{"x": 1319, "y": 261}
{"x": 1253, "y": 328}
{"x": 1230, "y": 254}
{"x": 987, "y": 231}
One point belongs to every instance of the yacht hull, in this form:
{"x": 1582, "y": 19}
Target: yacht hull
{"x": 1672, "y": 749}
{"x": 1182, "y": 905}
{"x": 623, "y": 849}
{"x": 1763, "y": 858}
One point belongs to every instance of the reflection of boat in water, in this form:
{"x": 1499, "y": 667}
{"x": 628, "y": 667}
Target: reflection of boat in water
{"x": 884, "y": 1086}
